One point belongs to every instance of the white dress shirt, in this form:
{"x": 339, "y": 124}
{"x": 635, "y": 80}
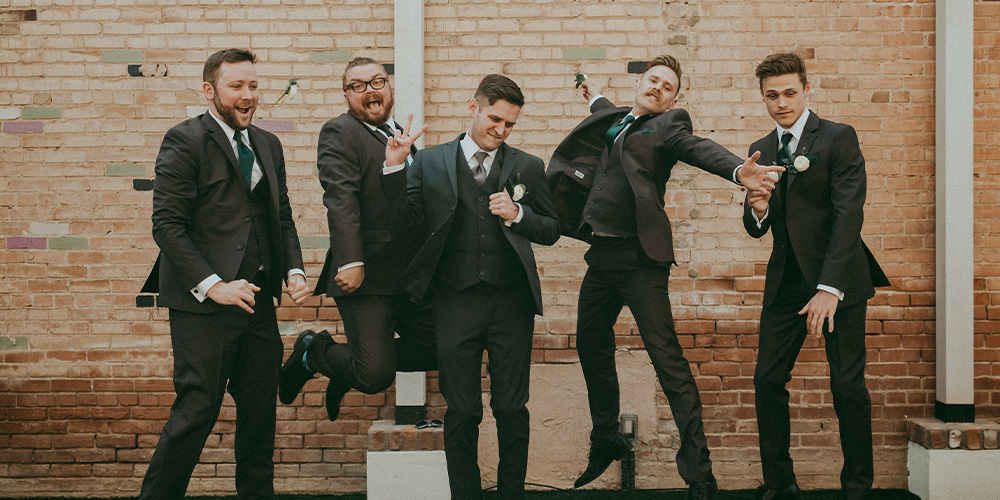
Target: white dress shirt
{"x": 470, "y": 148}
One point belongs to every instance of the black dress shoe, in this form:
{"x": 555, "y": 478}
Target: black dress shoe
{"x": 601, "y": 457}
{"x": 334, "y": 394}
{"x": 788, "y": 493}
{"x": 703, "y": 490}
{"x": 294, "y": 373}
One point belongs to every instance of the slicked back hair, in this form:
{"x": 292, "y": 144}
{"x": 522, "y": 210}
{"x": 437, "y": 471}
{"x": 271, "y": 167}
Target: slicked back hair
{"x": 781, "y": 64}
{"x": 668, "y": 61}
{"x": 494, "y": 87}
{"x": 210, "y": 73}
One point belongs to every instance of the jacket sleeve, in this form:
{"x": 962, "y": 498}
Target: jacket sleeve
{"x": 601, "y": 103}
{"x": 539, "y": 222}
{"x": 750, "y": 223}
{"x": 848, "y": 189}
{"x": 696, "y": 151}
{"x": 175, "y": 195}
{"x": 289, "y": 235}
{"x": 340, "y": 171}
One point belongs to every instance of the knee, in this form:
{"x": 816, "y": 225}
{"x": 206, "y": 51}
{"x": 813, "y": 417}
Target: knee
{"x": 769, "y": 381}
{"x": 375, "y": 380}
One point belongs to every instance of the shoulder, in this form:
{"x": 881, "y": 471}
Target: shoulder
{"x": 522, "y": 155}
{"x": 343, "y": 123}
{"x": 838, "y": 131}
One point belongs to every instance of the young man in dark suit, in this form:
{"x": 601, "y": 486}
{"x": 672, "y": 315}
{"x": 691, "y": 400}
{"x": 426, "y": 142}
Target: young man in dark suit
{"x": 819, "y": 277}
{"x": 608, "y": 179}
{"x": 372, "y": 240}
{"x": 227, "y": 239}
{"x": 483, "y": 204}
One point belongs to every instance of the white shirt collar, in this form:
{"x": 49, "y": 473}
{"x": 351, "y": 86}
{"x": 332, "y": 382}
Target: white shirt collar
{"x": 796, "y": 128}
{"x": 229, "y": 131}
{"x": 391, "y": 123}
{"x": 470, "y": 148}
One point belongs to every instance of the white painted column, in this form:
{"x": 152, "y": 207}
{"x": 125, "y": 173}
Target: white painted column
{"x": 409, "y": 96}
{"x": 954, "y": 217}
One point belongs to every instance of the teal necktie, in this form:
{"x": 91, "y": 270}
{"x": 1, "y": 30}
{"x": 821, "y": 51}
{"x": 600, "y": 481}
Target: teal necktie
{"x": 389, "y": 132}
{"x": 784, "y": 156}
{"x": 616, "y": 129}
{"x": 246, "y": 158}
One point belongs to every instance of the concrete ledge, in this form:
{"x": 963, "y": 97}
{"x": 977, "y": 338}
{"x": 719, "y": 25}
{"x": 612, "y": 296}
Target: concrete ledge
{"x": 952, "y": 473}
{"x": 934, "y": 434}
{"x": 414, "y": 475}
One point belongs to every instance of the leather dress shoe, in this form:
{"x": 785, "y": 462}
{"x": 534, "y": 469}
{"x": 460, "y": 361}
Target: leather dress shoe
{"x": 294, "y": 373}
{"x": 788, "y": 493}
{"x": 704, "y": 490}
{"x": 334, "y": 394}
{"x": 601, "y": 457}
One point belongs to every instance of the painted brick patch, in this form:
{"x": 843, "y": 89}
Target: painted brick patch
{"x": 25, "y": 242}
{"x": 23, "y": 127}
{"x": 69, "y": 243}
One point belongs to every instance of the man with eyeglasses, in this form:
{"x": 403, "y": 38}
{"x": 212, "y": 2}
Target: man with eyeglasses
{"x": 372, "y": 240}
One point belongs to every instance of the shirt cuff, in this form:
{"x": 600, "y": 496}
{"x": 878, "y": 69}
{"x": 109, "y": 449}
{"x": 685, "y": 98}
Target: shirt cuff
{"x": 826, "y": 288}
{"x": 349, "y": 265}
{"x": 391, "y": 169}
{"x": 520, "y": 215}
{"x": 294, "y": 271}
{"x": 760, "y": 221}
{"x": 200, "y": 291}
{"x": 736, "y": 176}
{"x": 594, "y": 99}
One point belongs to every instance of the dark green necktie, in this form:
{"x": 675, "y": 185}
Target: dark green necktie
{"x": 784, "y": 156}
{"x": 246, "y": 158}
{"x": 389, "y": 132}
{"x": 616, "y": 129}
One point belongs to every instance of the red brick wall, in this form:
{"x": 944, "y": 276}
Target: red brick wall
{"x": 85, "y": 376}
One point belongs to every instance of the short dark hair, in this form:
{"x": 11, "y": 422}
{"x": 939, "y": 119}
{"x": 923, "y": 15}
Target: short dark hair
{"x": 210, "y": 73}
{"x": 668, "y": 61}
{"x": 358, "y": 61}
{"x": 494, "y": 87}
{"x": 782, "y": 64}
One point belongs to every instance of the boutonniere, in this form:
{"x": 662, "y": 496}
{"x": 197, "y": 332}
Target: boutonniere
{"x": 795, "y": 165}
{"x": 515, "y": 188}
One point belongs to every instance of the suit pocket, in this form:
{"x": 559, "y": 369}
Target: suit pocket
{"x": 376, "y": 236}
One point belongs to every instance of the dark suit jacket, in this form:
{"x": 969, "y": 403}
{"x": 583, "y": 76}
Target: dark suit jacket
{"x": 432, "y": 189}
{"x": 367, "y": 211}
{"x": 652, "y": 145}
{"x": 201, "y": 212}
{"x": 821, "y": 215}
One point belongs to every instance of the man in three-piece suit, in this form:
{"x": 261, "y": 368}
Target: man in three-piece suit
{"x": 820, "y": 273}
{"x": 483, "y": 204}
{"x": 608, "y": 180}
{"x": 372, "y": 240}
{"x": 224, "y": 226}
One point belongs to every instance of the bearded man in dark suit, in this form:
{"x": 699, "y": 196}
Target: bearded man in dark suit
{"x": 483, "y": 204}
{"x": 819, "y": 277}
{"x": 222, "y": 220}
{"x": 608, "y": 179}
{"x": 372, "y": 239}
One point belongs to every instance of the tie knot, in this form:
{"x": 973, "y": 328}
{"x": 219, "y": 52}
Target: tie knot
{"x": 628, "y": 119}
{"x": 481, "y": 157}
{"x": 389, "y": 132}
{"x": 786, "y": 138}
{"x": 238, "y": 137}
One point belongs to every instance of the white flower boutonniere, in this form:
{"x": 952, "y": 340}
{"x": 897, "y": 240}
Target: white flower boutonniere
{"x": 801, "y": 163}
{"x": 516, "y": 189}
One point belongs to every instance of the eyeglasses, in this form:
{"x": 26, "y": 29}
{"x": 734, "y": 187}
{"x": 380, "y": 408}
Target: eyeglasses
{"x": 423, "y": 424}
{"x": 376, "y": 83}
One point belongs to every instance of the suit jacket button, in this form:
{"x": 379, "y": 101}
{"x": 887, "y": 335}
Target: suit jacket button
{"x": 482, "y": 217}
{"x": 247, "y": 218}
{"x": 483, "y": 236}
{"x": 482, "y": 273}
{"x": 588, "y": 216}
{"x": 239, "y": 247}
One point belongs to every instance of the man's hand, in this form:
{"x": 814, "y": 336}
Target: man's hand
{"x": 821, "y": 308}
{"x": 755, "y": 177}
{"x": 234, "y": 293}
{"x": 590, "y": 89}
{"x": 351, "y": 278}
{"x": 298, "y": 290}
{"x": 758, "y": 202}
{"x": 397, "y": 148}
{"x": 502, "y": 206}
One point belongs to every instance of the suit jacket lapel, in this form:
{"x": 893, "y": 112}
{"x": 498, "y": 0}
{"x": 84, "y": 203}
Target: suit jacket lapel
{"x": 509, "y": 158}
{"x": 450, "y": 155}
{"x": 805, "y": 143}
{"x": 219, "y": 136}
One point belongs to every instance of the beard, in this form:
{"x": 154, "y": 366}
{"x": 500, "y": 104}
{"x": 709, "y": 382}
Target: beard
{"x": 234, "y": 118}
{"x": 375, "y": 108}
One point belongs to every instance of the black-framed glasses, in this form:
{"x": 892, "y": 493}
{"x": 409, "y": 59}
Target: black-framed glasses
{"x": 423, "y": 424}
{"x": 376, "y": 83}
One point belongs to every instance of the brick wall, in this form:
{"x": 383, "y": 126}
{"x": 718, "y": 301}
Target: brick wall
{"x": 85, "y": 376}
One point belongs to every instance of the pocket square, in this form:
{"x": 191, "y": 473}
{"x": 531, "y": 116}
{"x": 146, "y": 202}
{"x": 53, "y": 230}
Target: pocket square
{"x": 645, "y": 131}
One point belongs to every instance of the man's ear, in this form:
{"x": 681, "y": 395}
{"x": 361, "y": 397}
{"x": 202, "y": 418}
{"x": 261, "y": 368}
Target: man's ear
{"x": 473, "y": 106}
{"x": 808, "y": 87}
{"x": 672, "y": 104}
{"x": 635, "y": 86}
{"x": 209, "y": 90}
